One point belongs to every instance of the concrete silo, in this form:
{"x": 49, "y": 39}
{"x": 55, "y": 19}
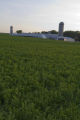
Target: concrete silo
{"x": 11, "y": 30}
{"x": 61, "y": 29}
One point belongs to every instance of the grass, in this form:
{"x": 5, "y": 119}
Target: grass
{"x": 39, "y": 79}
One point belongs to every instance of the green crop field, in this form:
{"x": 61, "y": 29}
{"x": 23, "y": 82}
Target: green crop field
{"x": 39, "y": 79}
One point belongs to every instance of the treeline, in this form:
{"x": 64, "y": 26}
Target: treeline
{"x": 51, "y": 32}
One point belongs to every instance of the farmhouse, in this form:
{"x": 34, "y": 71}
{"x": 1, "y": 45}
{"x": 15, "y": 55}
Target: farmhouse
{"x": 58, "y": 36}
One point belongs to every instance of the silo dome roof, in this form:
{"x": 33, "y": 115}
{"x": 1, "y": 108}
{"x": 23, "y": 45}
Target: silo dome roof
{"x": 62, "y": 23}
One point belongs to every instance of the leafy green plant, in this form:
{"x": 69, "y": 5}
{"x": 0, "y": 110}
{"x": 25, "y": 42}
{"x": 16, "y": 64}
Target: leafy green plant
{"x": 39, "y": 79}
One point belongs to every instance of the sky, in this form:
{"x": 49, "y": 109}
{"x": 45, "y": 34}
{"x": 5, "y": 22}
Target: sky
{"x": 39, "y": 15}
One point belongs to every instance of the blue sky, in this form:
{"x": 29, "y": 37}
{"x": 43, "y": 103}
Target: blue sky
{"x": 38, "y": 15}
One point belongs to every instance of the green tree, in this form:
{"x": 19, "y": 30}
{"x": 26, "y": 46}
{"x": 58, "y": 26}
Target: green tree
{"x": 19, "y": 31}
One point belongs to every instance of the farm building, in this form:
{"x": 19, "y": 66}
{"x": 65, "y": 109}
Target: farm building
{"x": 58, "y": 36}
{"x": 69, "y": 39}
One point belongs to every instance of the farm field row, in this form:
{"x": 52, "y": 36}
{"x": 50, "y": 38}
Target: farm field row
{"x": 39, "y": 79}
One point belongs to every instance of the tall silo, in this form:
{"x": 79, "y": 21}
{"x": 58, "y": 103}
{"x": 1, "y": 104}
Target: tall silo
{"x": 61, "y": 29}
{"x": 11, "y": 30}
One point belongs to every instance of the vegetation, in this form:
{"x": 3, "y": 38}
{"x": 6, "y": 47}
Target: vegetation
{"x": 19, "y": 31}
{"x": 51, "y": 32}
{"x": 73, "y": 34}
{"x": 39, "y": 79}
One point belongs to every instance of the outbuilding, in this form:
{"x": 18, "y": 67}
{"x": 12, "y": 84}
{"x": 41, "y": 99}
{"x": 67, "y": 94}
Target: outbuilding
{"x": 69, "y": 39}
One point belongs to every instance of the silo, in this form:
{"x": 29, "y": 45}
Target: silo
{"x": 11, "y": 30}
{"x": 61, "y": 29}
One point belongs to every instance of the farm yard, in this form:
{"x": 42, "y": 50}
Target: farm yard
{"x": 39, "y": 79}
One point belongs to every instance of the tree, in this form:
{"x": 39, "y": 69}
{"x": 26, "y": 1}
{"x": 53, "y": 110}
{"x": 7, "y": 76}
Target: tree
{"x": 19, "y": 31}
{"x": 44, "y": 32}
{"x": 53, "y": 32}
